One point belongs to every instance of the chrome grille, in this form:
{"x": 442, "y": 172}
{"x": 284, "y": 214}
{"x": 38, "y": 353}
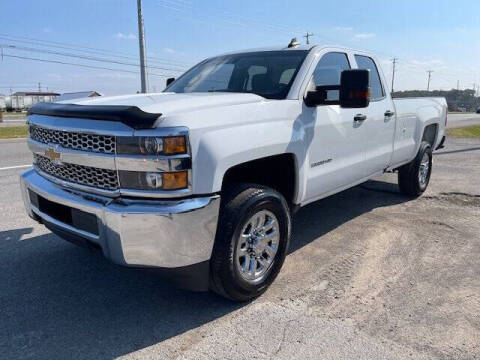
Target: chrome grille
{"x": 73, "y": 140}
{"x": 84, "y": 175}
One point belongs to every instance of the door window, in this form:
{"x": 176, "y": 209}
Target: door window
{"x": 328, "y": 72}
{"x": 376, "y": 88}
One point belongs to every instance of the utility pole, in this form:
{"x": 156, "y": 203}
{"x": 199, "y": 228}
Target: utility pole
{"x": 458, "y": 94}
{"x": 394, "y": 61}
{"x": 429, "y": 77}
{"x": 39, "y": 87}
{"x": 307, "y": 36}
{"x": 141, "y": 41}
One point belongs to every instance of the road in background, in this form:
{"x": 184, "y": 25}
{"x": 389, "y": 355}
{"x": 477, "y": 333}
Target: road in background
{"x": 461, "y": 120}
{"x": 14, "y": 152}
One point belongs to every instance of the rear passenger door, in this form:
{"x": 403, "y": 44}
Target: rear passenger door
{"x": 379, "y": 125}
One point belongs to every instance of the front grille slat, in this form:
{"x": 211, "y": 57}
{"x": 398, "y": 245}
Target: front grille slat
{"x": 84, "y": 175}
{"x": 74, "y": 140}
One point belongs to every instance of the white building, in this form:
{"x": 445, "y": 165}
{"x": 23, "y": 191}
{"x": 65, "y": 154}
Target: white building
{"x": 23, "y": 100}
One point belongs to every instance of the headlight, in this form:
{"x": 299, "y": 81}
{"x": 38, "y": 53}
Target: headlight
{"x": 141, "y": 145}
{"x": 136, "y": 180}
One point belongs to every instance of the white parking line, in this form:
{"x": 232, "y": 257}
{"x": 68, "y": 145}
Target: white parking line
{"x": 15, "y": 167}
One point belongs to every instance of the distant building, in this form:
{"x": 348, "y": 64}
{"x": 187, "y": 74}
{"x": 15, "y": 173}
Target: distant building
{"x": 77, "y": 95}
{"x": 3, "y": 105}
{"x": 23, "y": 100}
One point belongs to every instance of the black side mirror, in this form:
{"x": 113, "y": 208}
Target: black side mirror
{"x": 355, "y": 88}
{"x": 354, "y": 91}
{"x": 170, "y": 80}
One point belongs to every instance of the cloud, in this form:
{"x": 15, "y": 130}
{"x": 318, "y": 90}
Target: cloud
{"x": 343, "y": 28}
{"x": 47, "y": 30}
{"x": 169, "y": 50}
{"x": 364, "y": 36}
{"x": 129, "y": 36}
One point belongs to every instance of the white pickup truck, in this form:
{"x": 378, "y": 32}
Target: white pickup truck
{"x": 200, "y": 180}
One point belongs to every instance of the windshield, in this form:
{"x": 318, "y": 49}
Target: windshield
{"x": 268, "y": 73}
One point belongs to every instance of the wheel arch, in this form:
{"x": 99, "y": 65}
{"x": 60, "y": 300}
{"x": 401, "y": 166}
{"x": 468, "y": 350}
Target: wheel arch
{"x": 278, "y": 172}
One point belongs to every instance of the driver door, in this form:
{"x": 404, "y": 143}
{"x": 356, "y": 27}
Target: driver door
{"x": 336, "y": 150}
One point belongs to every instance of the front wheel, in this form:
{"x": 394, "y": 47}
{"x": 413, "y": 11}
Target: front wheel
{"x": 413, "y": 178}
{"x": 252, "y": 241}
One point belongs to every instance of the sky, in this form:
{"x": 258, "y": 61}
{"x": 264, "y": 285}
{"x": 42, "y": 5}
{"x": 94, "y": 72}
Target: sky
{"x": 101, "y": 38}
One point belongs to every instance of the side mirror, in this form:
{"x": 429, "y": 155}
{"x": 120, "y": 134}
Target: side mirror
{"x": 355, "y": 88}
{"x": 170, "y": 80}
{"x": 354, "y": 91}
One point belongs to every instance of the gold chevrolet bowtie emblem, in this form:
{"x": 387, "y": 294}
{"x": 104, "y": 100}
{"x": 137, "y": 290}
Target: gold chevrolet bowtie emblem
{"x": 52, "y": 154}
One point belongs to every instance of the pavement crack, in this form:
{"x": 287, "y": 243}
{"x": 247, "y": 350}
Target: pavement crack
{"x": 282, "y": 340}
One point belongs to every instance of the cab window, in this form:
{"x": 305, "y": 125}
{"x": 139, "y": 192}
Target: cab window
{"x": 328, "y": 72}
{"x": 376, "y": 88}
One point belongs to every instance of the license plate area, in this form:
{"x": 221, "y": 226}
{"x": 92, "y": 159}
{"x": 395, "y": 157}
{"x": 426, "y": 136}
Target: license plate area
{"x": 76, "y": 218}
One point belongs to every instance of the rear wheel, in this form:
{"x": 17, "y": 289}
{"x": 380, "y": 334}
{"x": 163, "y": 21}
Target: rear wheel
{"x": 252, "y": 241}
{"x": 413, "y": 178}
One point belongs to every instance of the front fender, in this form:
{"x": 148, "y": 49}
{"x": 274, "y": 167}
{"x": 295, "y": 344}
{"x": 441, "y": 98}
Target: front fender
{"x": 221, "y": 149}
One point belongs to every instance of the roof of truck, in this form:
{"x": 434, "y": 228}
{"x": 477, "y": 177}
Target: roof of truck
{"x": 271, "y": 48}
{"x": 298, "y": 47}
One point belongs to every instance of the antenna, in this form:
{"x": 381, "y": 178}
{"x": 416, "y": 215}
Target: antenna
{"x": 293, "y": 43}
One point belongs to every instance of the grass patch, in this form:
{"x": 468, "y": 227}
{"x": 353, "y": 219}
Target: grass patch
{"x": 465, "y": 132}
{"x": 9, "y": 132}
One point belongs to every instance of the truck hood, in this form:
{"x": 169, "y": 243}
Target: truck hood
{"x": 172, "y": 103}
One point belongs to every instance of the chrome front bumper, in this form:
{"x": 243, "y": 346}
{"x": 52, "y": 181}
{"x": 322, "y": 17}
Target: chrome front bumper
{"x": 167, "y": 234}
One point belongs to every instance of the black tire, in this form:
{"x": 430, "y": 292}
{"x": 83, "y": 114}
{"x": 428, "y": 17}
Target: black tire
{"x": 408, "y": 175}
{"x": 239, "y": 203}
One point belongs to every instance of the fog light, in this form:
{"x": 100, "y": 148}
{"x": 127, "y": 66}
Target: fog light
{"x": 154, "y": 180}
{"x": 175, "y": 180}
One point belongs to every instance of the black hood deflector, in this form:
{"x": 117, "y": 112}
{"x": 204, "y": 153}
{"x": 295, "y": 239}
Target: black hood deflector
{"x": 129, "y": 115}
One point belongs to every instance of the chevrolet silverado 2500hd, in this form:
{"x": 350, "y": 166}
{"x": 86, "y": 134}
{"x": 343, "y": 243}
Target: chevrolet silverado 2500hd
{"x": 202, "y": 178}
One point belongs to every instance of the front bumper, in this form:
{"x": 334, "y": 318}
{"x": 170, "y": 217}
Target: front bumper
{"x": 166, "y": 234}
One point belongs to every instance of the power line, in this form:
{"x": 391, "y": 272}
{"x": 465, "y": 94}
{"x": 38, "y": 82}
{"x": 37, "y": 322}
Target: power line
{"x": 80, "y": 65}
{"x": 84, "y": 57}
{"x": 86, "y": 49}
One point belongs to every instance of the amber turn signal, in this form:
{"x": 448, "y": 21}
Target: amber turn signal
{"x": 174, "y": 145}
{"x": 175, "y": 180}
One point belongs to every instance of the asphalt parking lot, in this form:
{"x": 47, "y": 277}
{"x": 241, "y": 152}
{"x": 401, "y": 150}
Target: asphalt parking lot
{"x": 371, "y": 274}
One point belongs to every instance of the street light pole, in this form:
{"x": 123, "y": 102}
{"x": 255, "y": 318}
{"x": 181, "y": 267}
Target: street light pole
{"x": 141, "y": 41}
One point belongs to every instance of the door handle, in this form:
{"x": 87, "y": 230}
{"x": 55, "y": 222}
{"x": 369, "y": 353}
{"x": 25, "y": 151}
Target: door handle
{"x": 389, "y": 113}
{"x": 359, "y": 118}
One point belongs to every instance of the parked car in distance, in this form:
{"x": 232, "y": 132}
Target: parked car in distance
{"x": 202, "y": 179}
